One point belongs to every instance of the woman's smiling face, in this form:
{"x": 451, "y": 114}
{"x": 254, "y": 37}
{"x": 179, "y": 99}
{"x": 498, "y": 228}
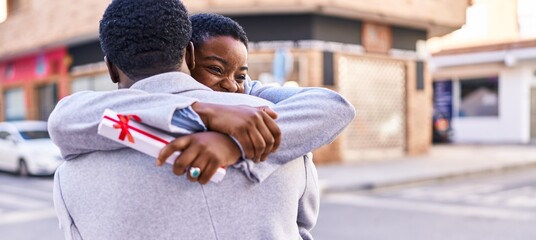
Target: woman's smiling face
{"x": 221, "y": 64}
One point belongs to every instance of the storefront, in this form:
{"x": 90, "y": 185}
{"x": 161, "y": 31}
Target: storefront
{"x": 375, "y": 66}
{"x": 492, "y": 92}
{"x": 32, "y": 84}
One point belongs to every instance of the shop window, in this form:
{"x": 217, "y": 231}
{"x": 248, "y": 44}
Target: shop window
{"x": 15, "y": 106}
{"x": 100, "y": 82}
{"x": 479, "y": 97}
{"x": 271, "y": 70}
{"x": 47, "y": 96}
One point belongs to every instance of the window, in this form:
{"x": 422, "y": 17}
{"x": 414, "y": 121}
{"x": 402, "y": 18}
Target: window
{"x": 479, "y": 97}
{"x": 47, "y": 96}
{"x": 100, "y": 82}
{"x": 4, "y": 135}
{"x": 37, "y": 134}
{"x": 267, "y": 69}
{"x": 15, "y": 104}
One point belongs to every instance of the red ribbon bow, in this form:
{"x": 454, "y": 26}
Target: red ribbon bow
{"x": 123, "y": 125}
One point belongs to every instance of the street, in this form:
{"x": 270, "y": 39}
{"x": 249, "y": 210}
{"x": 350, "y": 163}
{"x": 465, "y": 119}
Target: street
{"x": 491, "y": 207}
{"x": 26, "y": 208}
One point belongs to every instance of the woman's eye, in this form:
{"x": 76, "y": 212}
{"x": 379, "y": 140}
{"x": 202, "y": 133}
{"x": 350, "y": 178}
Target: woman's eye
{"x": 216, "y": 70}
{"x": 240, "y": 78}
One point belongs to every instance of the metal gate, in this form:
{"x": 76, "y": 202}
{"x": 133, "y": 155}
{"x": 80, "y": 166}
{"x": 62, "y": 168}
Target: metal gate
{"x": 377, "y": 89}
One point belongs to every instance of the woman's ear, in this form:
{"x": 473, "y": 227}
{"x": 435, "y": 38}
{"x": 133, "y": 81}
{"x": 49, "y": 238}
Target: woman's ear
{"x": 112, "y": 70}
{"x": 189, "y": 56}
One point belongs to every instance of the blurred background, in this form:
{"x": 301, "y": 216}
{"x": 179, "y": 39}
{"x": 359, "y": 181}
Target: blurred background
{"x": 445, "y": 93}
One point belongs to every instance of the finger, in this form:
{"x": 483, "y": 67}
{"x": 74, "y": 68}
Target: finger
{"x": 271, "y": 113}
{"x": 268, "y": 111}
{"x": 176, "y": 145}
{"x": 268, "y": 138}
{"x": 245, "y": 141}
{"x": 258, "y": 144}
{"x": 184, "y": 161}
{"x": 209, "y": 171}
{"x": 274, "y": 130}
{"x": 200, "y": 162}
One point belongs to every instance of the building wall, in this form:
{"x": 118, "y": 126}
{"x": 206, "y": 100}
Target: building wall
{"x": 439, "y": 16}
{"x": 418, "y": 110}
{"x": 45, "y": 24}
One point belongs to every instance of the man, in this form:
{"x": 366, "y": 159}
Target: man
{"x": 108, "y": 192}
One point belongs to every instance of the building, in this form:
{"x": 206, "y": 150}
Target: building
{"x": 369, "y": 51}
{"x": 485, "y": 74}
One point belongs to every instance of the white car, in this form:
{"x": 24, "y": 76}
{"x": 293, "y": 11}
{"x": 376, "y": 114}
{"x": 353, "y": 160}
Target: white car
{"x": 26, "y": 148}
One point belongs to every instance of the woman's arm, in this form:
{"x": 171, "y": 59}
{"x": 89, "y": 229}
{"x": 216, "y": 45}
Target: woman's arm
{"x": 309, "y": 117}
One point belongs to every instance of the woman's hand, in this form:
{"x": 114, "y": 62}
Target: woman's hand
{"x": 207, "y": 151}
{"x": 254, "y": 128}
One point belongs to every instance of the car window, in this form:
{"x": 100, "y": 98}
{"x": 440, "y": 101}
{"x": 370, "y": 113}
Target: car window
{"x": 28, "y": 135}
{"x": 4, "y": 135}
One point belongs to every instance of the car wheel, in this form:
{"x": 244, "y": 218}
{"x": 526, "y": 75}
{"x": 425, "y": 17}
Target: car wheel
{"x": 23, "y": 169}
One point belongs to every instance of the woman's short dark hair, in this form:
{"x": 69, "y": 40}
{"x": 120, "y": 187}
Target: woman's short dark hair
{"x": 207, "y": 25}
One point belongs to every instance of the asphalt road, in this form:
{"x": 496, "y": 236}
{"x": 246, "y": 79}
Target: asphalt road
{"x": 499, "y": 207}
{"x": 26, "y": 209}
{"x": 491, "y": 208}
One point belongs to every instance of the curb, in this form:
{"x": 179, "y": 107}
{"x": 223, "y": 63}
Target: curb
{"x": 326, "y": 187}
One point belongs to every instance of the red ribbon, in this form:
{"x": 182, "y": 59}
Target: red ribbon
{"x": 123, "y": 125}
{"x": 125, "y": 128}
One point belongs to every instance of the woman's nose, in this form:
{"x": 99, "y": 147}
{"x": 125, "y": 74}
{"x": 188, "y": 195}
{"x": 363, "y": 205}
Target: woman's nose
{"x": 229, "y": 85}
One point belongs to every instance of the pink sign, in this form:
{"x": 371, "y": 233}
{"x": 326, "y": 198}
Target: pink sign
{"x": 32, "y": 67}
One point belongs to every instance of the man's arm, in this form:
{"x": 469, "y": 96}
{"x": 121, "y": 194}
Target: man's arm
{"x": 74, "y": 121}
{"x": 308, "y": 117}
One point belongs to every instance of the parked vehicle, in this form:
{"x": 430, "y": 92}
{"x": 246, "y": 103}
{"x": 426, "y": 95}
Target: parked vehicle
{"x": 26, "y": 148}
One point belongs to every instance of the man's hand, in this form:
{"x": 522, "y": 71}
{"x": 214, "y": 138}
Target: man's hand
{"x": 254, "y": 128}
{"x": 206, "y": 150}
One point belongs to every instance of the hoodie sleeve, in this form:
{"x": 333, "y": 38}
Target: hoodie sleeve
{"x": 309, "y": 117}
{"x": 74, "y": 121}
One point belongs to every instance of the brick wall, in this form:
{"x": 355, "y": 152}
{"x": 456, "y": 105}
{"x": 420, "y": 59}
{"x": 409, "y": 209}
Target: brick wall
{"x": 45, "y": 24}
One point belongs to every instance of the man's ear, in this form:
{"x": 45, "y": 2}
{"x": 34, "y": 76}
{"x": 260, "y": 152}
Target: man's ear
{"x": 112, "y": 70}
{"x": 189, "y": 56}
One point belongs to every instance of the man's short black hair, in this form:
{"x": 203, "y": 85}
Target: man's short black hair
{"x": 207, "y": 25}
{"x": 145, "y": 37}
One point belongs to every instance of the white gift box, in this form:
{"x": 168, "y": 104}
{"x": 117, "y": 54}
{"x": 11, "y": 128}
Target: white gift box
{"x": 125, "y": 130}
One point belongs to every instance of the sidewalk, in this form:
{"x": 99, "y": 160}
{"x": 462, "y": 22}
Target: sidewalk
{"x": 441, "y": 162}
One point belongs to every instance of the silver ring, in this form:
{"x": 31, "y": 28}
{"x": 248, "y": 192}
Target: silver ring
{"x": 195, "y": 172}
